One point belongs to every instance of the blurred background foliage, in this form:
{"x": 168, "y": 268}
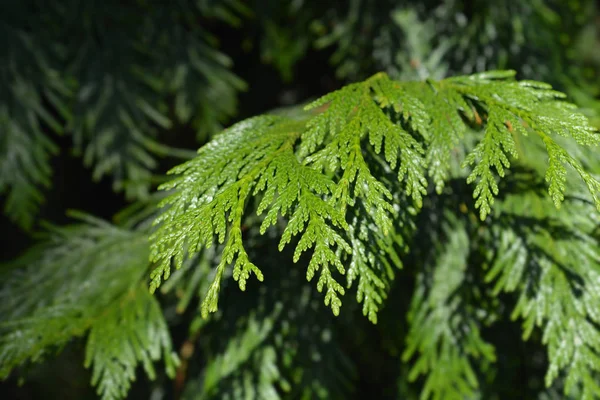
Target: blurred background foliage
{"x": 98, "y": 99}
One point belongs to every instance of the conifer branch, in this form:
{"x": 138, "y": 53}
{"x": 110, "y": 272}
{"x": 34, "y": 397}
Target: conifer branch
{"x": 553, "y": 267}
{"x": 314, "y": 172}
{"x": 445, "y": 337}
{"x": 85, "y": 279}
{"x": 106, "y": 90}
{"x": 27, "y": 83}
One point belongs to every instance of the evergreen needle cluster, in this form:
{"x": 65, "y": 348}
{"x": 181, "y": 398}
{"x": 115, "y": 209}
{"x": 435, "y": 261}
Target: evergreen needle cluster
{"x": 102, "y": 294}
{"x": 345, "y": 184}
{"x": 92, "y": 77}
{"x": 319, "y": 170}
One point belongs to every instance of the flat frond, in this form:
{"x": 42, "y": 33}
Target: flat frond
{"x": 553, "y": 267}
{"x": 27, "y": 82}
{"x": 445, "y": 333}
{"x": 25, "y": 169}
{"x": 127, "y": 334}
{"x": 84, "y": 278}
{"x": 321, "y": 173}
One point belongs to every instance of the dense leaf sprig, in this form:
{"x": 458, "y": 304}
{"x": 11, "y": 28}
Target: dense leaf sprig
{"x": 92, "y": 76}
{"x": 315, "y": 171}
{"x": 85, "y": 278}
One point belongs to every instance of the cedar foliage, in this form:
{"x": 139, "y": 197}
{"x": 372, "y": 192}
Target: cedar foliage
{"x": 446, "y": 208}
